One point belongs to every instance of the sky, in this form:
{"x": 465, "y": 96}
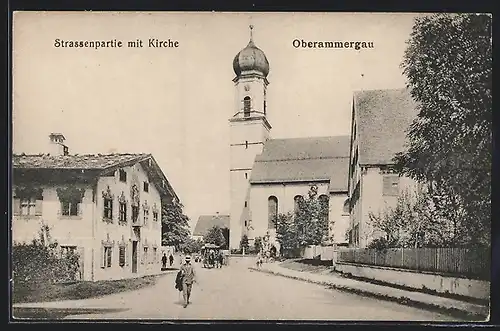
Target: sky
{"x": 175, "y": 102}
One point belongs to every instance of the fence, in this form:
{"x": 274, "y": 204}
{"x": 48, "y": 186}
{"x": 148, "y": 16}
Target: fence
{"x": 471, "y": 262}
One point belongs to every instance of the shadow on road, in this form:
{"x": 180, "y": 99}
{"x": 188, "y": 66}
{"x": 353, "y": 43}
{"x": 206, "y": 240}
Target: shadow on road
{"x": 58, "y": 313}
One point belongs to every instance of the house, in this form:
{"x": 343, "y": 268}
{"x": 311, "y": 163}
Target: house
{"x": 105, "y": 207}
{"x": 380, "y": 122}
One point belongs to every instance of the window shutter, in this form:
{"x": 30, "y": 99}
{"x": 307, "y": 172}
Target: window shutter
{"x": 38, "y": 207}
{"x": 16, "y": 206}
{"x": 103, "y": 257}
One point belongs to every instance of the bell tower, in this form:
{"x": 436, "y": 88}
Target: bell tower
{"x": 249, "y": 130}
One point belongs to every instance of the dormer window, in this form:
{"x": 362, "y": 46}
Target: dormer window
{"x": 123, "y": 175}
{"x": 247, "y": 104}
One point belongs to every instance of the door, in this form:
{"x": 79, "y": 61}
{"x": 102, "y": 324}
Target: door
{"x": 134, "y": 256}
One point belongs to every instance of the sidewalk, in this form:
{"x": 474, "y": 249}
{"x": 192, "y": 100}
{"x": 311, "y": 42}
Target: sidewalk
{"x": 418, "y": 299}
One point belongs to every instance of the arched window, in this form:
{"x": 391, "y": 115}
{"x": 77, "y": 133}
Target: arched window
{"x": 297, "y": 202}
{"x": 272, "y": 203}
{"x": 346, "y": 207}
{"x": 247, "y": 105}
{"x": 325, "y": 206}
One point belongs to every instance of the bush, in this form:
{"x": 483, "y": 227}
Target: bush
{"x": 38, "y": 263}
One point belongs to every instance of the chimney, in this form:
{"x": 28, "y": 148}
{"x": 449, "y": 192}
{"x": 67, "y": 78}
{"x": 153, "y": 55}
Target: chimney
{"x": 57, "y": 146}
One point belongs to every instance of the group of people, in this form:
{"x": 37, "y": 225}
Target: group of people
{"x": 164, "y": 260}
{"x": 213, "y": 258}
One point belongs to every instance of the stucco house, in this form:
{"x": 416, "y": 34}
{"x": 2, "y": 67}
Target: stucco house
{"x": 105, "y": 207}
{"x": 206, "y": 222}
{"x": 380, "y": 122}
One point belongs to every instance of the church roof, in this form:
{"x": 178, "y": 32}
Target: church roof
{"x": 304, "y": 159}
{"x": 205, "y": 222}
{"x": 383, "y": 118}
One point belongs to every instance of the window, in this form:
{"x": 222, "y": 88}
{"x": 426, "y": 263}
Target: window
{"x": 69, "y": 208}
{"x": 155, "y": 216}
{"x": 123, "y": 212}
{"x": 346, "y": 207}
{"x": 135, "y": 214}
{"x": 324, "y": 207}
{"x": 391, "y": 185}
{"x": 107, "y": 256}
{"x": 246, "y": 204}
{"x": 123, "y": 175}
{"x": 122, "y": 256}
{"x": 28, "y": 206}
{"x": 272, "y": 203}
{"x": 298, "y": 199}
{"x": 67, "y": 250}
{"x": 265, "y": 102}
{"x": 108, "y": 208}
{"x": 146, "y": 216}
{"x": 247, "y": 104}
{"x": 246, "y": 224}
{"x": 155, "y": 250}
{"x": 246, "y": 175}
{"x": 146, "y": 187}
{"x": 145, "y": 256}
{"x": 65, "y": 150}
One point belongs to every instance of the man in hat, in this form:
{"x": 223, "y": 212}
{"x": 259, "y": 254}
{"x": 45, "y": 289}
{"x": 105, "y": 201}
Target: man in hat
{"x": 188, "y": 278}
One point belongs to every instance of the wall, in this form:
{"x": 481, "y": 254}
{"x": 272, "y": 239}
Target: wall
{"x": 255, "y": 92}
{"x": 338, "y": 219}
{"x": 150, "y": 234}
{"x": 285, "y": 193}
{"x": 442, "y": 284}
{"x": 373, "y": 201}
{"x": 66, "y": 230}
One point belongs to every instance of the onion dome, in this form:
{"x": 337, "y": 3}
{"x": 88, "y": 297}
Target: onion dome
{"x": 251, "y": 58}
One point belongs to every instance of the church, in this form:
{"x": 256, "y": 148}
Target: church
{"x": 268, "y": 175}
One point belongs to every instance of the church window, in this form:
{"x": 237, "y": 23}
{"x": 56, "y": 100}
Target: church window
{"x": 324, "y": 207}
{"x": 247, "y": 103}
{"x": 346, "y": 207}
{"x": 246, "y": 204}
{"x": 246, "y": 144}
{"x": 246, "y": 223}
{"x": 297, "y": 202}
{"x": 272, "y": 203}
{"x": 246, "y": 175}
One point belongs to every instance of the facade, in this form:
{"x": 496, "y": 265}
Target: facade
{"x": 380, "y": 120}
{"x": 105, "y": 207}
{"x": 266, "y": 175}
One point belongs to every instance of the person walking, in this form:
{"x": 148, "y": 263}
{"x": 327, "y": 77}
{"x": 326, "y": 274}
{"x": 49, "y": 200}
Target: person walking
{"x": 188, "y": 278}
{"x": 164, "y": 261}
{"x": 171, "y": 259}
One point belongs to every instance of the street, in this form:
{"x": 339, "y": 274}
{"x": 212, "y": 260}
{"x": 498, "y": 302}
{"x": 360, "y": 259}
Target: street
{"x": 234, "y": 292}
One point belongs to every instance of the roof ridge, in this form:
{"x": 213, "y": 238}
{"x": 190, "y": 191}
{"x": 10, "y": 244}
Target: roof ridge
{"x": 303, "y": 159}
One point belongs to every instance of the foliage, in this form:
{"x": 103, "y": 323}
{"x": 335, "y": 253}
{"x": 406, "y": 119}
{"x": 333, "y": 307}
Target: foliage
{"x": 175, "y": 225}
{"x": 418, "y": 220}
{"x": 244, "y": 242}
{"x": 191, "y": 246}
{"x": 257, "y": 244}
{"x": 286, "y": 232}
{"x": 215, "y": 236}
{"x": 40, "y": 263}
{"x": 448, "y": 63}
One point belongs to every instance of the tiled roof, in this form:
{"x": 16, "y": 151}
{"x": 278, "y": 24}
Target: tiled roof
{"x": 303, "y": 159}
{"x": 205, "y": 222}
{"x": 88, "y": 161}
{"x": 383, "y": 118}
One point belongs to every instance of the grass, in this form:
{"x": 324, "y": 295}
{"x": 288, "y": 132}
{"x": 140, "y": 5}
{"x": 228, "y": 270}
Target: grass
{"x": 306, "y": 266}
{"x": 78, "y": 290}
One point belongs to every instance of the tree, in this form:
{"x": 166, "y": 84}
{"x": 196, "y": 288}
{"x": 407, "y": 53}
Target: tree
{"x": 448, "y": 63}
{"x": 310, "y": 220}
{"x": 286, "y": 234}
{"x": 175, "y": 225}
{"x": 215, "y": 236}
{"x": 191, "y": 246}
{"x": 257, "y": 244}
{"x": 244, "y": 243}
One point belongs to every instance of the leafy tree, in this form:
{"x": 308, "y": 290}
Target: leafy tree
{"x": 215, "y": 236}
{"x": 175, "y": 225}
{"x": 244, "y": 242}
{"x": 287, "y": 234}
{"x": 191, "y": 246}
{"x": 311, "y": 219}
{"x": 257, "y": 244}
{"x": 448, "y": 63}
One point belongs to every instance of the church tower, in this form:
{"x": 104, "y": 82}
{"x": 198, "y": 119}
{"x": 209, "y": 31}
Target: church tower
{"x": 249, "y": 130}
